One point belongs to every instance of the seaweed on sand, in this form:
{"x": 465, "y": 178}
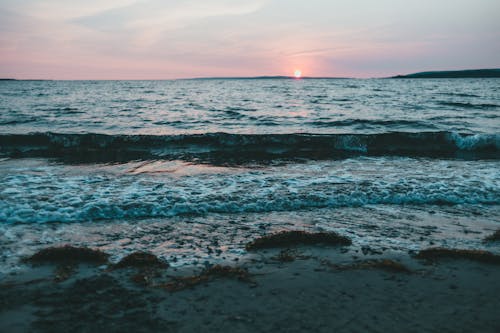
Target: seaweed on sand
{"x": 476, "y": 255}
{"x": 291, "y": 238}
{"x": 64, "y": 271}
{"x": 286, "y": 255}
{"x": 141, "y": 260}
{"x": 383, "y": 264}
{"x": 145, "y": 277}
{"x": 209, "y": 274}
{"x": 147, "y": 264}
{"x": 68, "y": 254}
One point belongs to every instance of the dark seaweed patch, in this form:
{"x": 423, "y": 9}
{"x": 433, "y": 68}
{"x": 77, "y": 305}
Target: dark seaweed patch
{"x": 214, "y": 272}
{"x": 476, "y": 255}
{"x": 286, "y": 255}
{"x": 69, "y": 254}
{"x": 383, "y": 264}
{"x": 141, "y": 260}
{"x": 291, "y": 238}
{"x": 64, "y": 272}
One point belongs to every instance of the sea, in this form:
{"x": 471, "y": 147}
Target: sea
{"x": 192, "y": 170}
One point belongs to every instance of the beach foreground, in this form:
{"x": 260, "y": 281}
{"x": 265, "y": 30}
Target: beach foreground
{"x": 306, "y": 288}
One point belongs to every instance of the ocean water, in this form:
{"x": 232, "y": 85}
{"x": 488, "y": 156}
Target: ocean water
{"x": 191, "y": 170}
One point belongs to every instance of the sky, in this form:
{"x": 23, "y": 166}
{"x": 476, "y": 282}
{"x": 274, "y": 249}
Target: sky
{"x": 167, "y": 39}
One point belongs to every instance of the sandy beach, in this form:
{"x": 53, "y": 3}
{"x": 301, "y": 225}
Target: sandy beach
{"x": 301, "y": 289}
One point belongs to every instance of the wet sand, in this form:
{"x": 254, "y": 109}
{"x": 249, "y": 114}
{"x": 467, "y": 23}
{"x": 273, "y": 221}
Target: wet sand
{"x": 307, "y": 289}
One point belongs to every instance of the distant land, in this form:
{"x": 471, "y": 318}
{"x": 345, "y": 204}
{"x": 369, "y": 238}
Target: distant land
{"x": 469, "y": 73}
{"x": 273, "y": 77}
{"x": 10, "y": 79}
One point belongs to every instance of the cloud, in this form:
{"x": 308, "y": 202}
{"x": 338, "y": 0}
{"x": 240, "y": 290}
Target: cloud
{"x": 60, "y": 10}
{"x": 146, "y": 21}
{"x": 178, "y": 38}
{"x": 161, "y": 14}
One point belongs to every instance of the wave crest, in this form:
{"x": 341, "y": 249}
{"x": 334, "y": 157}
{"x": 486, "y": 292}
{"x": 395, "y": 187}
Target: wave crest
{"x": 93, "y": 147}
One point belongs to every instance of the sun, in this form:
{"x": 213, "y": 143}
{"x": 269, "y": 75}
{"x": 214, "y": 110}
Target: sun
{"x": 297, "y": 73}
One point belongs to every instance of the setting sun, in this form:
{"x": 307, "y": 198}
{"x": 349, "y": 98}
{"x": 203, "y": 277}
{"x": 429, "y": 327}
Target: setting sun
{"x": 297, "y": 74}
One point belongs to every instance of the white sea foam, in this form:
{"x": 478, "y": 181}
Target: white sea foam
{"x": 47, "y": 193}
{"x": 475, "y": 142}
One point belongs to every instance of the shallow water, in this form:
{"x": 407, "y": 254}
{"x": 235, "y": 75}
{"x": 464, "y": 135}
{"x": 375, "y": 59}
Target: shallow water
{"x": 149, "y": 165}
{"x": 221, "y": 238}
{"x": 37, "y": 191}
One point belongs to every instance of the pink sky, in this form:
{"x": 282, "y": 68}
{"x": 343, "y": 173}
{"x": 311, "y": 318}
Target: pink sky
{"x": 158, "y": 39}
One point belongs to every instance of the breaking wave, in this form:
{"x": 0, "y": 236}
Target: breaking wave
{"x": 61, "y": 193}
{"x": 233, "y": 147}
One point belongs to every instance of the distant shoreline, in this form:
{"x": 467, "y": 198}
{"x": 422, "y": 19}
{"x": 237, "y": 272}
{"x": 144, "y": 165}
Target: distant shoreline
{"x": 462, "y": 74}
{"x": 275, "y": 77}
{"x": 456, "y": 74}
{"x": 9, "y": 79}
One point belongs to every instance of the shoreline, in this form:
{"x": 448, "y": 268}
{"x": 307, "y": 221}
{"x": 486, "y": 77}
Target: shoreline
{"x": 316, "y": 288}
{"x": 220, "y": 239}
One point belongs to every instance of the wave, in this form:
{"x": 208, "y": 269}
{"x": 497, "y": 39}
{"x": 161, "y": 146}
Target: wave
{"x": 53, "y": 192}
{"x": 18, "y": 120}
{"x": 371, "y": 122}
{"x": 458, "y": 94}
{"x": 95, "y": 211}
{"x": 483, "y": 106}
{"x": 225, "y": 147}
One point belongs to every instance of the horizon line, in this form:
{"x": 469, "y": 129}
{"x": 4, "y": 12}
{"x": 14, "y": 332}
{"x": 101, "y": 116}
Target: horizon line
{"x": 288, "y": 77}
{"x": 201, "y": 78}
